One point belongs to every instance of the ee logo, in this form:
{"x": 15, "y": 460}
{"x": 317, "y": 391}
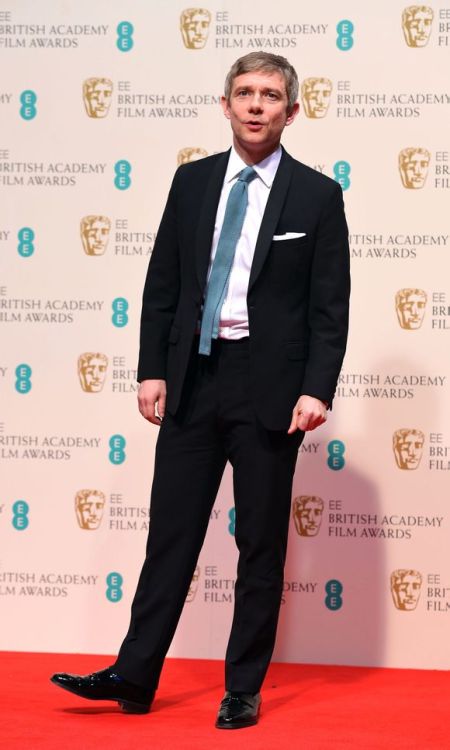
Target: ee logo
{"x": 125, "y": 39}
{"x": 23, "y": 378}
{"x": 122, "y": 169}
{"x": 117, "y": 453}
{"x": 333, "y": 599}
{"x": 341, "y": 171}
{"x": 344, "y": 39}
{"x": 114, "y": 583}
{"x": 25, "y": 248}
{"x": 28, "y": 101}
{"x": 120, "y": 308}
{"x": 20, "y": 518}
{"x": 336, "y": 450}
{"x": 232, "y": 517}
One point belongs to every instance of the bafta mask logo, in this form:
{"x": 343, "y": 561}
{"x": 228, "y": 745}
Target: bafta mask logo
{"x": 316, "y": 93}
{"x": 92, "y": 368}
{"x": 89, "y": 505}
{"x": 407, "y": 445}
{"x": 94, "y": 232}
{"x": 405, "y": 589}
{"x": 410, "y": 306}
{"x": 416, "y": 22}
{"x": 193, "y": 586}
{"x": 307, "y": 511}
{"x": 194, "y": 25}
{"x": 97, "y": 93}
{"x": 413, "y": 165}
{"x": 185, "y": 155}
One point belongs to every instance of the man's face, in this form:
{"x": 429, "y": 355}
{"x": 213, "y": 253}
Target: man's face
{"x": 98, "y": 99}
{"x": 89, "y": 510}
{"x": 406, "y": 591}
{"x": 257, "y": 111}
{"x": 411, "y": 311}
{"x": 408, "y": 449}
{"x": 316, "y": 99}
{"x": 194, "y": 28}
{"x": 307, "y": 516}
{"x": 414, "y": 169}
{"x": 93, "y": 373}
{"x": 417, "y": 27}
{"x": 95, "y": 236}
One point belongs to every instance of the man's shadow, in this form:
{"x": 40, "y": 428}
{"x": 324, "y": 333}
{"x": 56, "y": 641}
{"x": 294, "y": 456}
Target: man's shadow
{"x": 313, "y": 629}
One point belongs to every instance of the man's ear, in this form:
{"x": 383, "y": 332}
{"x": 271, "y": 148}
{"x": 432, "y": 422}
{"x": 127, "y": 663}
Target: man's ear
{"x": 225, "y": 106}
{"x": 292, "y": 113}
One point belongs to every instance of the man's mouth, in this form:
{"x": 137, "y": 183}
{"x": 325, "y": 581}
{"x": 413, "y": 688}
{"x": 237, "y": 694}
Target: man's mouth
{"x": 254, "y": 124}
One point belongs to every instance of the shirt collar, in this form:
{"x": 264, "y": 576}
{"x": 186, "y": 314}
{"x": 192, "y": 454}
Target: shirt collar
{"x": 265, "y": 169}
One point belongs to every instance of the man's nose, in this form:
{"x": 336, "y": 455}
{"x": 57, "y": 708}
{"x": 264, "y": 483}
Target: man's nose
{"x": 255, "y": 103}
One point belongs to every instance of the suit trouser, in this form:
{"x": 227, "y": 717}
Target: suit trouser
{"x": 217, "y": 423}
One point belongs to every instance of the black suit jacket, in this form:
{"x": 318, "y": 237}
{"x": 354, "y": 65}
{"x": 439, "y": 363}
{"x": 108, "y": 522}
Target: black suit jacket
{"x": 298, "y": 291}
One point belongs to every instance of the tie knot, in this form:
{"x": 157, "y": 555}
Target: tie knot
{"x": 247, "y": 175}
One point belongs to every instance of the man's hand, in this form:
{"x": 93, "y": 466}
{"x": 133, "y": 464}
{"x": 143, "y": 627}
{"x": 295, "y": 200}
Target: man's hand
{"x": 150, "y": 394}
{"x": 307, "y": 414}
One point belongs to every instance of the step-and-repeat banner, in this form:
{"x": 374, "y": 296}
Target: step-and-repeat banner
{"x": 99, "y": 102}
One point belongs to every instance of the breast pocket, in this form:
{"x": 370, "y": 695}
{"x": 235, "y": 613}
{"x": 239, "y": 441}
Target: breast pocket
{"x": 290, "y": 244}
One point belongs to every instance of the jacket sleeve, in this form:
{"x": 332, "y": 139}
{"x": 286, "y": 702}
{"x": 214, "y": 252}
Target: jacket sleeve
{"x": 329, "y": 301}
{"x": 161, "y": 291}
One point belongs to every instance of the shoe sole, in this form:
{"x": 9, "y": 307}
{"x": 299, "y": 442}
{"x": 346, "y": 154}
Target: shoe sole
{"x": 128, "y": 707}
{"x": 240, "y": 725}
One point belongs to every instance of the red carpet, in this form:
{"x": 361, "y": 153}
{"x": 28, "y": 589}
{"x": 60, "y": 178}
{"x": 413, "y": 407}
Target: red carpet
{"x": 304, "y": 708}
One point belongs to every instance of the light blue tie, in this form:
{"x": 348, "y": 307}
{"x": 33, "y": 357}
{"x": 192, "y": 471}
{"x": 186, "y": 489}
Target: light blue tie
{"x": 223, "y": 260}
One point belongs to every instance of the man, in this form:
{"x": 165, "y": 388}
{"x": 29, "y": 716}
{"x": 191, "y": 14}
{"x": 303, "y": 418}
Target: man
{"x": 243, "y": 332}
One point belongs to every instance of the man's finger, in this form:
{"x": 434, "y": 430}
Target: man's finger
{"x": 147, "y": 409}
{"x": 162, "y": 406}
{"x": 293, "y": 425}
{"x": 303, "y": 422}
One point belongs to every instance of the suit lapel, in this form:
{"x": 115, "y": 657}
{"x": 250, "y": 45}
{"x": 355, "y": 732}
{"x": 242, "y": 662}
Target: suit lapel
{"x": 205, "y": 228}
{"x": 271, "y": 215}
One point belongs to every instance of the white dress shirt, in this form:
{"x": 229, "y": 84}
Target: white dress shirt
{"x": 233, "y": 323}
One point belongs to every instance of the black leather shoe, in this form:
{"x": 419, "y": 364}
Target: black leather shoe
{"x": 238, "y": 710}
{"x": 107, "y": 685}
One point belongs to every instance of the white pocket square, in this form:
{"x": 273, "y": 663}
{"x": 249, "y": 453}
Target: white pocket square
{"x": 289, "y": 236}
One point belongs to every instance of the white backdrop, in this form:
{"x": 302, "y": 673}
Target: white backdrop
{"x": 99, "y": 102}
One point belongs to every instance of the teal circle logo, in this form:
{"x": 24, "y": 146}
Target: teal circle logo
{"x": 125, "y": 40}
{"x": 114, "y": 582}
{"x": 344, "y": 40}
{"x": 117, "y": 453}
{"x": 232, "y": 519}
{"x": 25, "y": 248}
{"x": 336, "y": 450}
{"x": 341, "y": 172}
{"x": 28, "y": 101}
{"x": 120, "y": 309}
{"x": 122, "y": 169}
{"x": 20, "y": 518}
{"x": 23, "y": 378}
{"x": 333, "y": 599}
